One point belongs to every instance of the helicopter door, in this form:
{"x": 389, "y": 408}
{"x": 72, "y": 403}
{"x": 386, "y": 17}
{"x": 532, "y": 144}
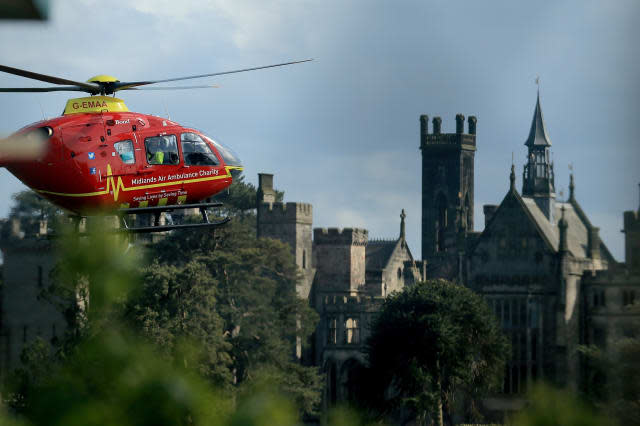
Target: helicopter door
{"x": 78, "y": 149}
{"x": 83, "y": 138}
{"x": 161, "y": 165}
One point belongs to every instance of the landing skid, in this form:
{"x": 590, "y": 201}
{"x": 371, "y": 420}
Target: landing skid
{"x": 158, "y": 210}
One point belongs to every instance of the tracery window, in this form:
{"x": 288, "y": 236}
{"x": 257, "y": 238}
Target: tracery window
{"x": 352, "y": 331}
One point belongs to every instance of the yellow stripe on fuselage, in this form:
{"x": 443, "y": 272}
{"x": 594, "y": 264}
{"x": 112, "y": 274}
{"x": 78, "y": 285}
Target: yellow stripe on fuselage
{"x": 116, "y": 188}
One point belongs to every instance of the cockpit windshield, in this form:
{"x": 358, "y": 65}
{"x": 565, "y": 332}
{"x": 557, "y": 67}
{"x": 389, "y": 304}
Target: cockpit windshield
{"x": 230, "y": 158}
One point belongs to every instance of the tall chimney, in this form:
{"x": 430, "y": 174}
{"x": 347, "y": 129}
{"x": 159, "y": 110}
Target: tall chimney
{"x": 265, "y": 193}
{"x": 489, "y": 210}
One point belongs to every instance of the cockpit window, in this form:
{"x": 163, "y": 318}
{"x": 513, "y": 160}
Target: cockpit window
{"x": 230, "y": 158}
{"x": 125, "y": 151}
{"x": 196, "y": 152}
{"x": 162, "y": 149}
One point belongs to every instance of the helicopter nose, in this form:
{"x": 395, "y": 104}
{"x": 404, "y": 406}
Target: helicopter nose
{"x": 231, "y": 160}
{"x": 235, "y": 172}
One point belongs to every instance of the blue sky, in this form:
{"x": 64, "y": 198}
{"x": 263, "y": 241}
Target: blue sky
{"x": 342, "y": 132}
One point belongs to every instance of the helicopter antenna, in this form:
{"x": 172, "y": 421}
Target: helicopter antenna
{"x": 42, "y": 110}
{"x": 166, "y": 111}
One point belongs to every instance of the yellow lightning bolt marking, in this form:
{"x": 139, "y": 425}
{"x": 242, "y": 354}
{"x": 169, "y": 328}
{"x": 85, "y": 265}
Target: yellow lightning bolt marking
{"x": 119, "y": 186}
{"x": 110, "y": 183}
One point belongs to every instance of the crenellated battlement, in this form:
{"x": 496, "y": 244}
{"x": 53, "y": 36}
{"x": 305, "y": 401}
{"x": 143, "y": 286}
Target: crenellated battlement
{"x": 340, "y": 302}
{"x": 338, "y": 236}
{"x": 278, "y": 212}
{"x": 448, "y": 139}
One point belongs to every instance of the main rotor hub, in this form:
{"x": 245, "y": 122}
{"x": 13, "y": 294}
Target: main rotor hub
{"x": 102, "y": 78}
{"x": 106, "y": 83}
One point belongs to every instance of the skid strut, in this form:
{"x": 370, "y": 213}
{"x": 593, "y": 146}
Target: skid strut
{"x": 157, "y": 210}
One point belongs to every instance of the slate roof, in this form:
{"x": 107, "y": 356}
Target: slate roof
{"x": 538, "y": 134}
{"x": 577, "y": 230}
{"x": 378, "y": 253}
{"x": 577, "y": 236}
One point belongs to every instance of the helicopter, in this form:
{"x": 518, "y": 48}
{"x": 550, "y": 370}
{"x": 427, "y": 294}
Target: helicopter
{"x": 100, "y": 157}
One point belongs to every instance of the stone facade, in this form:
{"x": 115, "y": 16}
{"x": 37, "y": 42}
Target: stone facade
{"x": 611, "y": 298}
{"x": 350, "y": 275}
{"x": 289, "y": 223}
{"x": 29, "y": 258}
{"x": 540, "y": 264}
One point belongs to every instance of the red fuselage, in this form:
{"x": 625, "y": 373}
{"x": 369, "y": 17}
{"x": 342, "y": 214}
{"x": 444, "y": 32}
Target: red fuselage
{"x": 105, "y": 161}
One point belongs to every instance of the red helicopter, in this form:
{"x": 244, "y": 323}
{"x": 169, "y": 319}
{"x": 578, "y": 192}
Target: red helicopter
{"x": 99, "y": 156}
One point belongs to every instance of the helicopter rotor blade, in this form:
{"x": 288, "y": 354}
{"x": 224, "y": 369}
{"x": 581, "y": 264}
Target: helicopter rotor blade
{"x": 125, "y": 84}
{"x": 211, "y": 86}
{"x": 42, "y": 89}
{"x": 22, "y": 147}
{"x": 89, "y": 87}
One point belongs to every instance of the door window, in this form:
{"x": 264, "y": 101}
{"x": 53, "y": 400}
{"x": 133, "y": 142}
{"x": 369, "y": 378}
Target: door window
{"x": 162, "y": 150}
{"x": 125, "y": 151}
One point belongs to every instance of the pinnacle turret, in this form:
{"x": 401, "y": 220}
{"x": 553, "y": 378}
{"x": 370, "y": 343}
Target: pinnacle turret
{"x": 538, "y": 176}
{"x": 538, "y": 134}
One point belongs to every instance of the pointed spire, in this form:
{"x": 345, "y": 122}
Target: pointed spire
{"x": 572, "y": 187}
{"x": 402, "y": 227}
{"x": 538, "y": 133}
{"x": 512, "y": 177}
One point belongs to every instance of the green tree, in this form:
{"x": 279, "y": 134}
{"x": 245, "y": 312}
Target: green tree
{"x": 176, "y": 308}
{"x": 28, "y": 204}
{"x": 431, "y": 343}
{"x": 249, "y": 285}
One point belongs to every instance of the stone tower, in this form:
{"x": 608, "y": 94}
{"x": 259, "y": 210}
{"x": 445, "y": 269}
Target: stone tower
{"x": 632, "y": 240}
{"x": 289, "y": 223}
{"x": 447, "y": 187}
{"x": 537, "y": 178}
{"x": 340, "y": 259}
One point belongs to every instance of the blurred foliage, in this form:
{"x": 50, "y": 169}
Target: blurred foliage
{"x": 432, "y": 343}
{"x": 205, "y": 333}
{"x": 612, "y": 382}
{"x": 348, "y": 415}
{"x": 549, "y": 406}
